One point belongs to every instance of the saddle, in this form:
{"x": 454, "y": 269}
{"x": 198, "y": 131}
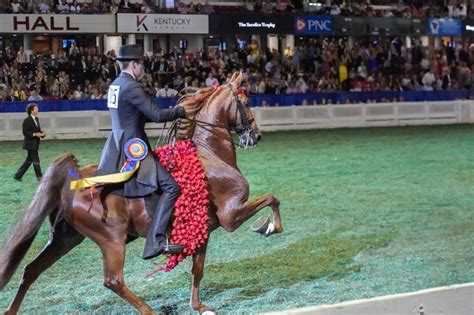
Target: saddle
{"x": 189, "y": 225}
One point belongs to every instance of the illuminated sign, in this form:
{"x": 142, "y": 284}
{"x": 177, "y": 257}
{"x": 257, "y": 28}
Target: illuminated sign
{"x": 444, "y": 27}
{"x": 163, "y": 23}
{"x": 313, "y": 25}
{"x": 251, "y": 24}
{"x": 56, "y": 23}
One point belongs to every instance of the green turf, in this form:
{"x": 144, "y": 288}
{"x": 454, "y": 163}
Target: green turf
{"x": 367, "y": 212}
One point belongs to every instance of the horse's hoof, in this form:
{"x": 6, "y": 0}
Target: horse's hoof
{"x": 263, "y": 226}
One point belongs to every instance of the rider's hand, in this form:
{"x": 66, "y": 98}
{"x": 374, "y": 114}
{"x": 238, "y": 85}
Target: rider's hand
{"x": 182, "y": 112}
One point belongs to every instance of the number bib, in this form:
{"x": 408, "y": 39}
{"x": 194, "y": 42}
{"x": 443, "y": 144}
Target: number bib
{"x": 112, "y": 96}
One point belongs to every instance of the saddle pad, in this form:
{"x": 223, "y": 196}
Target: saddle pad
{"x": 190, "y": 223}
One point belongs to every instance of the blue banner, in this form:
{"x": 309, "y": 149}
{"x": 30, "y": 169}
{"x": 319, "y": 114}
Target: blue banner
{"x": 444, "y": 27}
{"x": 257, "y": 100}
{"x": 73, "y": 105}
{"x": 355, "y": 97}
{"x": 313, "y": 25}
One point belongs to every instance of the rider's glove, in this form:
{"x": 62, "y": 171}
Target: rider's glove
{"x": 181, "y": 112}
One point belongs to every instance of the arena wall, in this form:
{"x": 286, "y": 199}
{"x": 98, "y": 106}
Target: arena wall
{"x": 96, "y": 124}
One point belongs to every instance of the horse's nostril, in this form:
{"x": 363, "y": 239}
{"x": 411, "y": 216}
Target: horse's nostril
{"x": 259, "y": 137}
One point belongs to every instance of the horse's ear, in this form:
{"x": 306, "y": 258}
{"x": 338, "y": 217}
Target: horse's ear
{"x": 232, "y": 78}
{"x": 236, "y": 79}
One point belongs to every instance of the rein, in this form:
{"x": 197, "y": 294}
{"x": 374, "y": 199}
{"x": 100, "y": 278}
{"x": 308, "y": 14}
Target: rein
{"x": 204, "y": 125}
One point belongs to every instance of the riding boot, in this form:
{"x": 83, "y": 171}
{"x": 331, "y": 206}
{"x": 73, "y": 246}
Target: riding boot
{"x": 156, "y": 242}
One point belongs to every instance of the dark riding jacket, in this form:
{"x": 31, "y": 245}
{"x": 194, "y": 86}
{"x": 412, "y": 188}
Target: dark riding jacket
{"x": 130, "y": 108}
{"x": 29, "y": 127}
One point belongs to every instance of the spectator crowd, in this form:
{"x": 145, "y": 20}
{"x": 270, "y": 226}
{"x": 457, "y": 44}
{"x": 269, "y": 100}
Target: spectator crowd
{"x": 382, "y": 8}
{"x": 319, "y": 65}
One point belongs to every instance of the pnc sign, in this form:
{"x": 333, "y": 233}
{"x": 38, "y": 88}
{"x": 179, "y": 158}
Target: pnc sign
{"x": 313, "y": 25}
{"x": 300, "y": 25}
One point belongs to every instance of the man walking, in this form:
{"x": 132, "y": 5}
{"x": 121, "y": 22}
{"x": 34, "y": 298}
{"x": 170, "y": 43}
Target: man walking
{"x": 33, "y": 133}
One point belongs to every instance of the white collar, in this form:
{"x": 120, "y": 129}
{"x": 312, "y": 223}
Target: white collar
{"x": 133, "y": 76}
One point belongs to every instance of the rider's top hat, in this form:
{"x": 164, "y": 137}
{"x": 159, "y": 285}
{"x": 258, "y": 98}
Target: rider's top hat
{"x": 130, "y": 52}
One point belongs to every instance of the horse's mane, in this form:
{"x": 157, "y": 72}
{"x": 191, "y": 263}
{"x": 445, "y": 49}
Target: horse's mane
{"x": 193, "y": 100}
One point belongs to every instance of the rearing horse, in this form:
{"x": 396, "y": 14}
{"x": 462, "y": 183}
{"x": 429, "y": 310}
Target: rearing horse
{"x": 72, "y": 218}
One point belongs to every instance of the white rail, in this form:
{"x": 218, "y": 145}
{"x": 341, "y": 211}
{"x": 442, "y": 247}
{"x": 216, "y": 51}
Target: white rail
{"x": 96, "y": 124}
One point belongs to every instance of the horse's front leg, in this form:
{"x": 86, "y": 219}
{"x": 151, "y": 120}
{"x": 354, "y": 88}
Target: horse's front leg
{"x": 235, "y": 213}
{"x": 198, "y": 272}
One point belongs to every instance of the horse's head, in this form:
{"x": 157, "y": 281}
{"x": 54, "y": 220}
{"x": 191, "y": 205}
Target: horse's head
{"x": 225, "y": 106}
{"x": 240, "y": 116}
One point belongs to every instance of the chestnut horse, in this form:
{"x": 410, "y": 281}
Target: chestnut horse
{"x": 216, "y": 113}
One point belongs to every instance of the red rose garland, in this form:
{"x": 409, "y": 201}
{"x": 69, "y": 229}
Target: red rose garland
{"x": 189, "y": 227}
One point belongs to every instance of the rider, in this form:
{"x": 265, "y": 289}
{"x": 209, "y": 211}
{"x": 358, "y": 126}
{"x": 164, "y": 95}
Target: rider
{"x": 130, "y": 108}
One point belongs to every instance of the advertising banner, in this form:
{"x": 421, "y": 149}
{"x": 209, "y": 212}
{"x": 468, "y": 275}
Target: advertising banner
{"x": 251, "y": 24}
{"x": 56, "y": 23}
{"x": 402, "y": 27}
{"x": 468, "y": 28}
{"x": 419, "y": 27}
{"x": 313, "y": 25}
{"x": 163, "y": 23}
{"x": 381, "y": 26}
{"x": 444, "y": 27}
{"x": 349, "y": 26}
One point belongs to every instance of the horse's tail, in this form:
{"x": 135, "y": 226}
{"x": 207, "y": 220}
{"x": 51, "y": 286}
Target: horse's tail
{"x": 50, "y": 196}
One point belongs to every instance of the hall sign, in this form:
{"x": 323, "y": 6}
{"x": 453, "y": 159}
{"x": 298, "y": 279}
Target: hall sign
{"x": 163, "y": 23}
{"x": 57, "y": 23}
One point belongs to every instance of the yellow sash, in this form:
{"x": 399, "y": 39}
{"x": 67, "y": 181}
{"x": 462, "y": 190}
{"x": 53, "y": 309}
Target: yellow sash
{"x": 105, "y": 179}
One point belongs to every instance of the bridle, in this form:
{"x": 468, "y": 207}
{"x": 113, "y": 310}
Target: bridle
{"x": 245, "y": 128}
{"x": 245, "y": 122}
{"x": 242, "y": 129}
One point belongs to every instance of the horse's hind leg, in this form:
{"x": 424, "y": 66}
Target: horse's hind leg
{"x": 114, "y": 258}
{"x": 63, "y": 238}
{"x": 233, "y": 215}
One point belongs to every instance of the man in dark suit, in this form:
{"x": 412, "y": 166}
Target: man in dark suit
{"x": 33, "y": 133}
{"x": 446, "y": 83}
{"x": 114, "y": 70}
{"x": 130, "y": 108}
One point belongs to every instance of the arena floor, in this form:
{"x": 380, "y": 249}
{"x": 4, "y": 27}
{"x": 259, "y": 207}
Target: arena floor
{"x": 367, "y": 212}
